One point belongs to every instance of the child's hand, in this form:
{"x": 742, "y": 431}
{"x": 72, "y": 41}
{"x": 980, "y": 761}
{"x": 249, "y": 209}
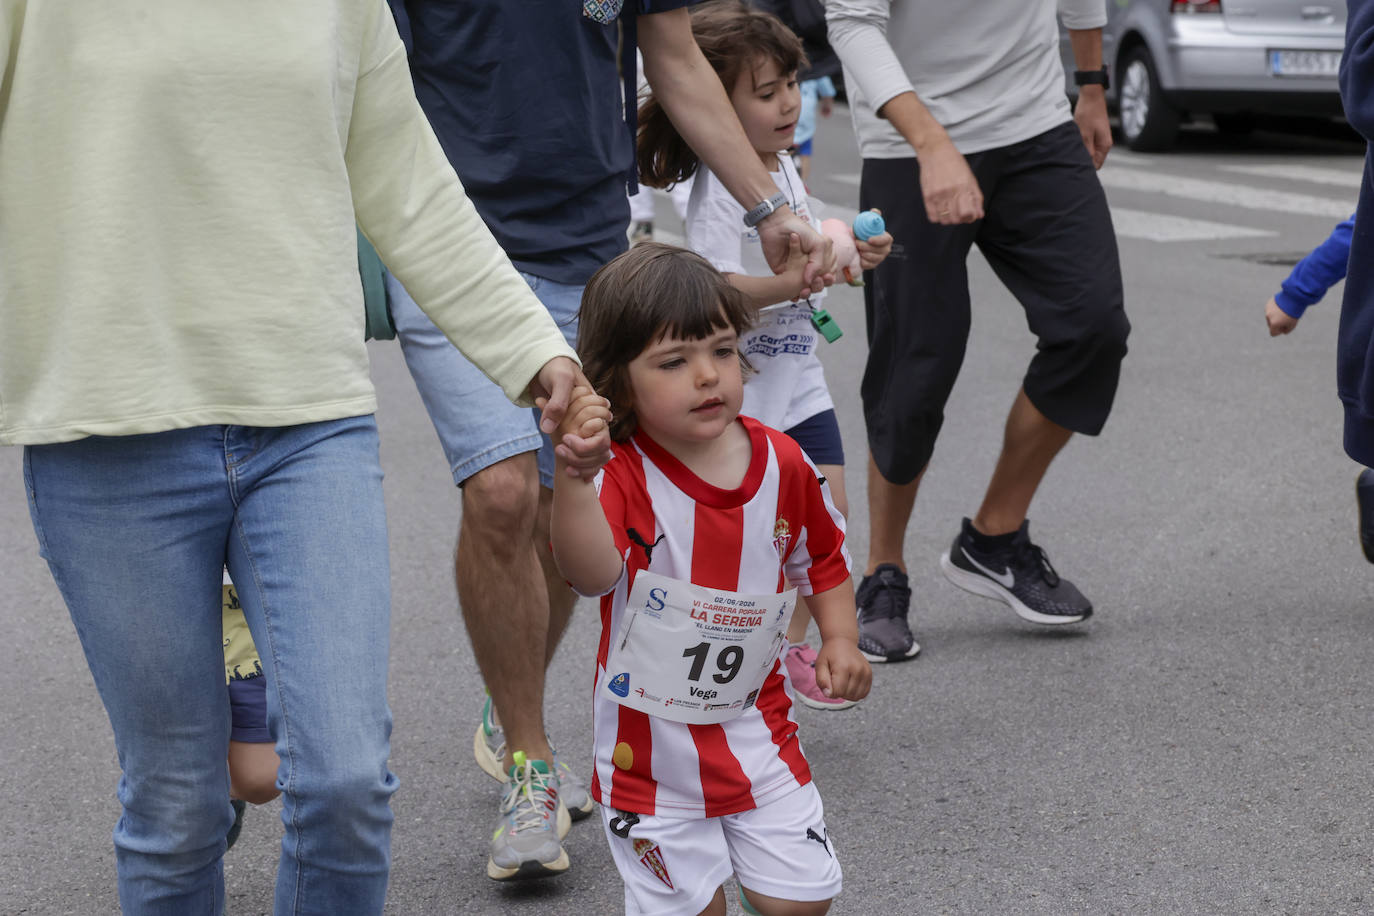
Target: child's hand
{"x": 583, "y": 438}
{"x": 796, "y": 265}
{"x": 1280, "y": 322}
{"x": 842, "y": 670}
{"x": 873, "y": 251}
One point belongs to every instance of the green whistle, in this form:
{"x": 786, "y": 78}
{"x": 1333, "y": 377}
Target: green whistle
{"x": 829, "y": 327}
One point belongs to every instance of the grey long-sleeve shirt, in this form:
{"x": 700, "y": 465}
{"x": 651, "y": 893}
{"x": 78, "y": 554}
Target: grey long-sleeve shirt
{"x": 988, "y": 70}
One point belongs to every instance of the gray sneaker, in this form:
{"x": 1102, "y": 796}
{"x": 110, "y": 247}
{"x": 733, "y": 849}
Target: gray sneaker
{"x": 576, "y": 797}
{"x": 884, "y": 599}
{"x": 489, "y": 744}
{"x": 489, "y": 747}
{"x": 532, "y": 821}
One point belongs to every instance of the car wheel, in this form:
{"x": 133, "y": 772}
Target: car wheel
{"x": 1148, "y": 123}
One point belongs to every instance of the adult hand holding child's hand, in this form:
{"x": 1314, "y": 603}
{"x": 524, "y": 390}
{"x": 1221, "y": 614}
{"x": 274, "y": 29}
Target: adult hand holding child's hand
{"x": 582, "y": 439}
{"x": 556, "y": 394}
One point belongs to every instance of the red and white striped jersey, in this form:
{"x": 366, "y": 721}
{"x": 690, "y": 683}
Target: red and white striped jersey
{"x": 777, "y": 530}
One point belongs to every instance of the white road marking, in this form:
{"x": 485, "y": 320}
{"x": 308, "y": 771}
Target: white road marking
{"x": 1342, "y": 178}
{"x": 1220, "y": 192}
{"x": 1161, "y": 227}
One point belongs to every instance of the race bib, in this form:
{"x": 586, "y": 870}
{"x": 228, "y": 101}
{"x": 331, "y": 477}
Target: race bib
{"x": 693, "y": 654}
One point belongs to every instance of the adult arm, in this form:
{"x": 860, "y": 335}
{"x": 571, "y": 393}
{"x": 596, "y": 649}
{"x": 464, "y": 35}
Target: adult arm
{"x": 691, "y": 94}
{"x": 1084, "y": 20}
{"x": 858, "y": 33}
{"x": 715, "y": 230}
{"x": 412, "y": 207}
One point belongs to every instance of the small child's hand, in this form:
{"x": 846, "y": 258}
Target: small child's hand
{"x": 583, "y": 439}
{"x": 1280, "y": 322}
{"x": 874, "y": 250}
{"x": 842, "y": 670}
{"x": 796, "y": 263}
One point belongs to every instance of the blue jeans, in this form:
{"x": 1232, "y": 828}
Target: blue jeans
{"x": 477, "y": 425}
{"x": 136, "y": 530}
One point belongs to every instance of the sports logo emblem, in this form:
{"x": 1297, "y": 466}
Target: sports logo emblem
{"x": 782, "y": 535}
{"x": 620, "y": 684}
{"x": 651, "y": 858}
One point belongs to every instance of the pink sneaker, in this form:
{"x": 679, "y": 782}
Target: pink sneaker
{"x": 801, "y": 669}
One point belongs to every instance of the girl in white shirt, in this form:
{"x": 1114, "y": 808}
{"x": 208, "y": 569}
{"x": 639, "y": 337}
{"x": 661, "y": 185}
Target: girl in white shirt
{"x": 757, "y": 58}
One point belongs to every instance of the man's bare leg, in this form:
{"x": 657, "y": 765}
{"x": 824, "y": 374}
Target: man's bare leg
{"x": 504, "y": 599}
{"x": 991, "y": 557}
{"x": 883, "y": 596}
{"x": 1029, "y": 445}
{"x": 561, "y": 597}
{"x": 889, "y": 512}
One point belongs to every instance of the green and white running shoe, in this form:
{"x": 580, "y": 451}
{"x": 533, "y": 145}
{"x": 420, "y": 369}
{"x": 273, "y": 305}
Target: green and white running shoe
{"x": 489, "y": 747}
{"x": 532, "y": 821}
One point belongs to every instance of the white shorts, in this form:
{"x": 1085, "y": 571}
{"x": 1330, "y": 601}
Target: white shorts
{"x": 673, "y": 866}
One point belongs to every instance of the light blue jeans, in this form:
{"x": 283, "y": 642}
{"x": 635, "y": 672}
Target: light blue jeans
{"x": 136, "y": 530}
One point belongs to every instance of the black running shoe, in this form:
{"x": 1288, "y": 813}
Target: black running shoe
{"x": 1364, "y": 500}
{"x": 1019, "y": 576}
{"x": 883, "y": 599}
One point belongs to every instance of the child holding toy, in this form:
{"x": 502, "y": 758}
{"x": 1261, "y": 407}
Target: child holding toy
{"x": 757, "y": 58}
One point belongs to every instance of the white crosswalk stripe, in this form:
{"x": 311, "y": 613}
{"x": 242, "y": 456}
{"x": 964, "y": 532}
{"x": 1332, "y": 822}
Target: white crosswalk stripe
{"x": 1220, "y": 192}
{"x": 1132, "y": 173}
{"x": 1313, "y": 174}
{"x": 1162, "y": 227}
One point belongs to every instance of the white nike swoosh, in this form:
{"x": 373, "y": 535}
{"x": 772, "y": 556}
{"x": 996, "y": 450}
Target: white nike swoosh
{"x": 1004, "y": 579}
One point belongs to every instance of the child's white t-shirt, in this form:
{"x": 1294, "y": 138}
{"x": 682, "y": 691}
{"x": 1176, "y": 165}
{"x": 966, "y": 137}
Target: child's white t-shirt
{"x": 789, "y": 386}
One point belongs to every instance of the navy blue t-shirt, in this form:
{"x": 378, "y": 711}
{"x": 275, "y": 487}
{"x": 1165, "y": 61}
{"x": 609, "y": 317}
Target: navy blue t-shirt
{"x": 526, "y": 99}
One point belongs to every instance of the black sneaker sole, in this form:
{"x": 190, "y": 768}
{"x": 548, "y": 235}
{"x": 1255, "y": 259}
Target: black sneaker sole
{"x": 893, "y": 656}
{"x": 984, "y": 587}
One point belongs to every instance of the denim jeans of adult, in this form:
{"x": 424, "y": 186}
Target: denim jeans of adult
{"x": 136, "y": 530}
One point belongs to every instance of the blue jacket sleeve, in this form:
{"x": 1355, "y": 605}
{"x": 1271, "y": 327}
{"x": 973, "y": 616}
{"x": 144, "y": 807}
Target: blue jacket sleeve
{"x": 1318, "y": 272}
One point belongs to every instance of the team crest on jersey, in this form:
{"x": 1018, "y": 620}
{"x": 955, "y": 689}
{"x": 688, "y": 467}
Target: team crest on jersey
{"x": 620, "y": 684}
{"x": 782, "y": 535}
{"x": 651, "y": 858}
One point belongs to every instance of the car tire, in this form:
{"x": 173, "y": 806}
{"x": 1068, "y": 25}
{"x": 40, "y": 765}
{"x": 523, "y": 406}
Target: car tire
{"x": 1148, "y": 122}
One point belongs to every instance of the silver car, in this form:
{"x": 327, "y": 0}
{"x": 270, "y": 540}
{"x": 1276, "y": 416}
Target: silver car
{"x": 1232, "y": 59}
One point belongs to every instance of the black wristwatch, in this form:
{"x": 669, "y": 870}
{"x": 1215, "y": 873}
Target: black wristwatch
{"x": 1092, "y": 78}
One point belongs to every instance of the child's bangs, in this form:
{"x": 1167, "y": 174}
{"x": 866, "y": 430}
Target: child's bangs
{"x": 695, "y": 314}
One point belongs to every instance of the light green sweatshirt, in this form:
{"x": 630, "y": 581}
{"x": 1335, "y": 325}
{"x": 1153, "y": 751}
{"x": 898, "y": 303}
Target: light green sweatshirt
{"x": 179, "y": 181}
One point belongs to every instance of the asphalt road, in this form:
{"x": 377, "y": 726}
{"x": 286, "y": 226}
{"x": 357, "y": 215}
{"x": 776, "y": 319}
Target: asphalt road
{"x": 1202, "y": 745}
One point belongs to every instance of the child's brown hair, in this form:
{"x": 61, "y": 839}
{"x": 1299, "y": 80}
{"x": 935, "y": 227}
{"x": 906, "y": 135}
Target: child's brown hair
{"x": 650, "y": 292}
{"x": 734, "y": 36}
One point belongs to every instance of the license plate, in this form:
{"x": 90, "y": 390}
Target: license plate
{"x": 1305, "y": 63}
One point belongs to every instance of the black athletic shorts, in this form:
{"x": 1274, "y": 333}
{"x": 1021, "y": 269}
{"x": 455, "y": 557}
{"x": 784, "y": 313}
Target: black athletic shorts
{"x": 1047, "y": 233}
